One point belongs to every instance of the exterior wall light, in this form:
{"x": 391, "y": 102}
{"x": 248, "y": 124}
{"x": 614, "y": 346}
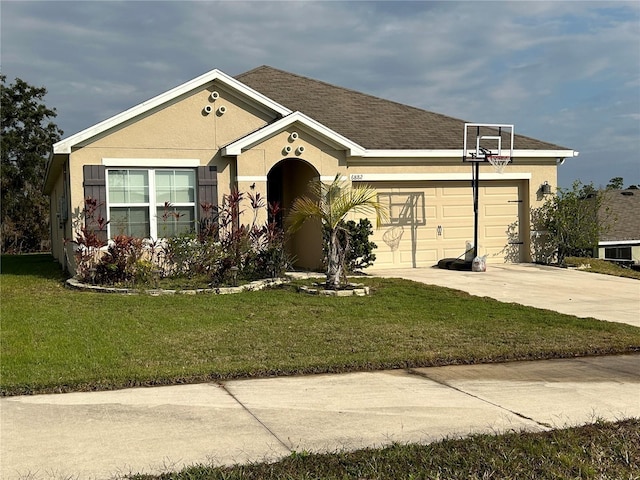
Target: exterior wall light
{"x": 545, "y": 188}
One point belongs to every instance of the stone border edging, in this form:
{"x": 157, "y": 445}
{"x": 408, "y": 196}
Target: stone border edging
{"x": 249, "y": 287}
{"x": 357, "y": 290}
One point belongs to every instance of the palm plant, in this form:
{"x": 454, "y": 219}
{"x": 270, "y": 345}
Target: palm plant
{"x": 330, "y": 203}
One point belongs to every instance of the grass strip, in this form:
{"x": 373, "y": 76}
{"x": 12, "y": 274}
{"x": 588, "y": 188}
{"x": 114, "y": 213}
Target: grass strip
{"x": 603, "y": 450}
{"x": 58, "y": 340}
{"x": 598, "y": 265}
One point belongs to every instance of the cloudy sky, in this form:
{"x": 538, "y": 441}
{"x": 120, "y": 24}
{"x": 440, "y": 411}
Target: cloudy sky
{"x": 565, "y": 72}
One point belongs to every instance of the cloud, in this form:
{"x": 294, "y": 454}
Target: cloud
{"x": 564, "y": 72}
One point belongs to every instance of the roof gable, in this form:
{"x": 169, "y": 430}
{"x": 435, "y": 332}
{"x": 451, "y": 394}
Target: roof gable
{"x": 298, "y": 118}
{"x": 65, "y": 145}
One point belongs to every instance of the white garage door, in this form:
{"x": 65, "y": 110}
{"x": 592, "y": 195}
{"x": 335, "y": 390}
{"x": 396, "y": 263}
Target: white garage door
{"x": 434, "y": 220}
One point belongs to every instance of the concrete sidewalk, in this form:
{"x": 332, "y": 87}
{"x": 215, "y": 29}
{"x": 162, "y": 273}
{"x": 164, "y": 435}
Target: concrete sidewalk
{"x": 150, "y": 430}
{"x": 569, "y": 291}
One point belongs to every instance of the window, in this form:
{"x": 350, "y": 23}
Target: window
{"x": 151, "y": 203}
{"x": 617, "y": 253}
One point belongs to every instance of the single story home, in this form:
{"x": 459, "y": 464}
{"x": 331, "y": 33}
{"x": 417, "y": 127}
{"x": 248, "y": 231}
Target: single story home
{"x": 268, "y": 131}
{"x": 620, "y": 211}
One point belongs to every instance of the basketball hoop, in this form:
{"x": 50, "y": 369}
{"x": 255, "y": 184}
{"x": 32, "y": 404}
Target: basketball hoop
{"x": 498, "y": 162}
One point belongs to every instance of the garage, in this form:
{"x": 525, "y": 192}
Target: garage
{"x": 433, "y": 220}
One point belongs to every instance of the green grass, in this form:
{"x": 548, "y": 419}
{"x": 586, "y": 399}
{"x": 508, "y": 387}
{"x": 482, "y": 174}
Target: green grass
{"x": 600, "y": 451}
{"x": 54, "y": 339}
{"x": 597, "y": 265}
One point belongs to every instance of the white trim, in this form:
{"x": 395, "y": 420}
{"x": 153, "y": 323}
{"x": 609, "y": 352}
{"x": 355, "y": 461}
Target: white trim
{"x": 151, "y": 162}
{"x": 64, "y": 146}
{"x": 458, "y": 153}
{"x": 331, "y": 178}
{"x": 619, "y": 242}
{"x": 251, "y": 178}
{"x": 237, "y": 147}
{"x": 152, "y": 204}
{"x": 413, "y": 153}
{"x": 416, "y": 177}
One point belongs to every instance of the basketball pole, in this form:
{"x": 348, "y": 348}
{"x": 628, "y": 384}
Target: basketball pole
{"x": 475, "y": 184}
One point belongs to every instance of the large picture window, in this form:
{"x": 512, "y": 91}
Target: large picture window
{"x": 151, "y": 203}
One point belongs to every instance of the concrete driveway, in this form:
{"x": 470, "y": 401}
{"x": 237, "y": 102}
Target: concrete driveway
{"x": 574, "y": 292}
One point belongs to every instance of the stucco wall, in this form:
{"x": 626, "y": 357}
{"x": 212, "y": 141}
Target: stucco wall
{"x": 180, "y": 130}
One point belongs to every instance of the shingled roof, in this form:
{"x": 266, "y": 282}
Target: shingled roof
{"x": 375, "y": 123}
{"x": 624, "y": 209}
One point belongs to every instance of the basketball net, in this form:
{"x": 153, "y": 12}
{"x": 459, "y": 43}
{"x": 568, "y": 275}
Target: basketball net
{"x": 498, "y": 162}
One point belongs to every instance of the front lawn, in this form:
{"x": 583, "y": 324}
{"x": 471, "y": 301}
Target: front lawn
{"x": 54, "y": 339}
{"x": 598, "y": 265}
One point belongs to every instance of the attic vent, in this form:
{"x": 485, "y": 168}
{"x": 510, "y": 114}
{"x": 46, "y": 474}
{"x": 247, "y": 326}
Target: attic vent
{"x": 627, "y": 193}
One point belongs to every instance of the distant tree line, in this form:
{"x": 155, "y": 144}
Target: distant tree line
{"x": 27, "y": 138}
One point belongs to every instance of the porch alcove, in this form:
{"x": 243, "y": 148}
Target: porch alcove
{"x": 287, "y": 180}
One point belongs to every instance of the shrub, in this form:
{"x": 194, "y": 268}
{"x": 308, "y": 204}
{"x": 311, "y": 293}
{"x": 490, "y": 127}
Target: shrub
{"x": 89, "y": 241}
{"x": 572, "y": 221}
{"x": 354, "y": 237}
{"x": 119, "y": 264}
{"x": 222, "y": 250}
{"x": 225, "y": 250}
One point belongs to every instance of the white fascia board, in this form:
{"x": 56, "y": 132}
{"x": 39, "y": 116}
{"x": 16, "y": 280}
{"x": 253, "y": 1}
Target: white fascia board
{"x": 619, "y": 242}
{"x": 545, "y": 153}
{"x": 416, "y": 177}
{"x": 413, "y": 153}
{"x": 64, "y": 146}
{"x": 258, "y": 136}
{"x": 458, "y": 153}
{"x": 151, "y": 162}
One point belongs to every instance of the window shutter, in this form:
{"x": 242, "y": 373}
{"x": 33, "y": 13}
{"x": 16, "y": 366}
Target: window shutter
{"x": 95, "y": 186}
{"x": 207, "y": 186}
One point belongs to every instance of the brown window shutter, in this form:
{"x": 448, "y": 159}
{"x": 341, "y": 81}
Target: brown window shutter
{"x": 207, "y": 186}
{"x": 95, "y": 186}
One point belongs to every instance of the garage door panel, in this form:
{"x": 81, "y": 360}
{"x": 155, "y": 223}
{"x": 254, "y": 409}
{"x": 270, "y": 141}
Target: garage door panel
{"x": 498, "y": 191}
{"x": 456, "y": 211}
{"x": 496, "y": 232}
{"x": 455, "y": 233}
{"x": 427, "y": 257}
{"x": 501, "y": 211}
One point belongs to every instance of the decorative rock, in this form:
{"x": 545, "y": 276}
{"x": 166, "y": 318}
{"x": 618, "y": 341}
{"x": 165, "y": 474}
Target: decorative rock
{"x": 253, "y": 286}
{"x": 354, "y": 289}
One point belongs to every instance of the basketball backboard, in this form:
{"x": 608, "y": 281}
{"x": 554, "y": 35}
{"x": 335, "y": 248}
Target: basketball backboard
{"x": 482, "y": 140}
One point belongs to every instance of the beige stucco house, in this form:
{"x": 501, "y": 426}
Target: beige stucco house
{"x": 271, "y": 132}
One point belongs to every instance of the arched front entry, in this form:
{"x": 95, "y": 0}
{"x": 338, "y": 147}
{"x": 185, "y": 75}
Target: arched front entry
{"x": 286, "y": 181}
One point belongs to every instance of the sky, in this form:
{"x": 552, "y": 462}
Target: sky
{"x": 565, "y": 72}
